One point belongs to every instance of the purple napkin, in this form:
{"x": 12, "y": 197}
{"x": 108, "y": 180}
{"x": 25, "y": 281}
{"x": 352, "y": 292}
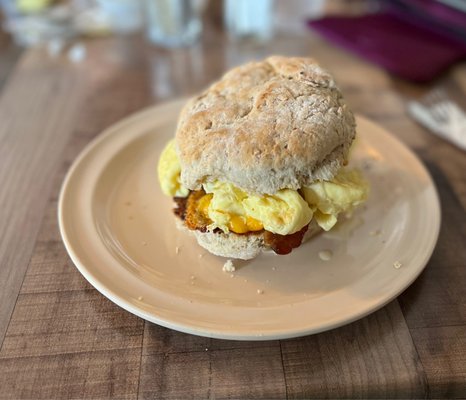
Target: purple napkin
{"x": 404, "y": 42}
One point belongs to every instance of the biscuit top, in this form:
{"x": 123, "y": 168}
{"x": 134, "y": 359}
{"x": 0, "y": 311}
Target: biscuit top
{"x": 265, "y": 126}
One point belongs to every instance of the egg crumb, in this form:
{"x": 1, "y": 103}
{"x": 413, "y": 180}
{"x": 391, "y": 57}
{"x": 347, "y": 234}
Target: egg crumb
{"x": 397, "y": 265}
{"x": 229, "y": 266}
{"x": 325, "y": 255}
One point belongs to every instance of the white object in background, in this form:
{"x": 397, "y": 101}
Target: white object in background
{"x": 246, "y": 19}
{"x": 173, "y": 23}
{"x": 55, "y": 47}
{"x": 124, "y": 16}
{"x": 291, "y": 16}
{"x": 39, "y": 28}
{"x": 77, "y": 53}
{"x": 92, "y": 22}
{"x": 441, "y": 116}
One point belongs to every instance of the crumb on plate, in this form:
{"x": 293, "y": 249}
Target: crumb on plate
{"x": 325, "y": 255}
{"x": 229, "y": 266}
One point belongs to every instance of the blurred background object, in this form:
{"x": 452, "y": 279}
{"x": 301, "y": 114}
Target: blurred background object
{"x": 416, "y": 40}
{"x": 251, "y": 20}
{"x": 123, "y": 16}
{"x": 35, "y": 22}
{"x": 292, "y": 16}
{"x": 441, "y": 115}
{"x": 32, "y": 22}
{"x": 173, "y": 23}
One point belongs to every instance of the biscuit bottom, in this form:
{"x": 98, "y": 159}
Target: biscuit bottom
{"x": 240, "y": 246}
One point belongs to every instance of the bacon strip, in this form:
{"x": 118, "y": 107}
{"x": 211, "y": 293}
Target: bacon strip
{"x": 283, "y": 244}
{"x": 180, "y": 209}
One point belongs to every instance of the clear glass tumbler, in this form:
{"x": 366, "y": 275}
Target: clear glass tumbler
{"x": 173, "y": 23}
{"x": 249, "y": 19}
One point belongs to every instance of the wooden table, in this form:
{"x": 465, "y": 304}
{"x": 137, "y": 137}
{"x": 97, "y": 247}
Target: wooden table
{"x": 61, "y": 339}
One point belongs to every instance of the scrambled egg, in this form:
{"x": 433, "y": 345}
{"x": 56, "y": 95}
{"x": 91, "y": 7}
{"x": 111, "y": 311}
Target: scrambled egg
{"x": 169, "y": 170}
{"x": 231, "y": 209}
{"x": 329, "y": 198}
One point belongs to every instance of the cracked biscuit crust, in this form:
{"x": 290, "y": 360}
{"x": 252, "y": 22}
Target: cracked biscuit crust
{"x": 279, "y": 123}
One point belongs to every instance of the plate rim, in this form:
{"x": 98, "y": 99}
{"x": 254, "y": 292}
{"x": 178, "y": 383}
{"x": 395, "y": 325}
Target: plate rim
{"x": 229, "y": 334}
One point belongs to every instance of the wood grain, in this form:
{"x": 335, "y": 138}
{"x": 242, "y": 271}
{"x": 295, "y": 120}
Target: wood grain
{"x": 438, "y": 297}
{"x": 34, "y": 130}
{"x": 246, "y": 372}
{"x": 69, "y": 322}
{"x": 238, "y": 373}
{"x": 371, "y": 358}
{"x": 73, "y": 342}
{"x": 442, "y": 353}
{"x": 198, "y": 367}
{"x": 9, "y": 55}
{"x": 85, "y": 375}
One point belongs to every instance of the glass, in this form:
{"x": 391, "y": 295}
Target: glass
{"x": 249, "y": 19}
{"x": 173, "y": 23}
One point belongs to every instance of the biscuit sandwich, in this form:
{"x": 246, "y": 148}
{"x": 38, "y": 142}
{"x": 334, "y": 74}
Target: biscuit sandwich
{"x": 258, "y": 159}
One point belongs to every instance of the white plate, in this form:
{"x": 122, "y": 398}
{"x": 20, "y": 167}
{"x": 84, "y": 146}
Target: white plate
{"x": 119, "y": 230}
